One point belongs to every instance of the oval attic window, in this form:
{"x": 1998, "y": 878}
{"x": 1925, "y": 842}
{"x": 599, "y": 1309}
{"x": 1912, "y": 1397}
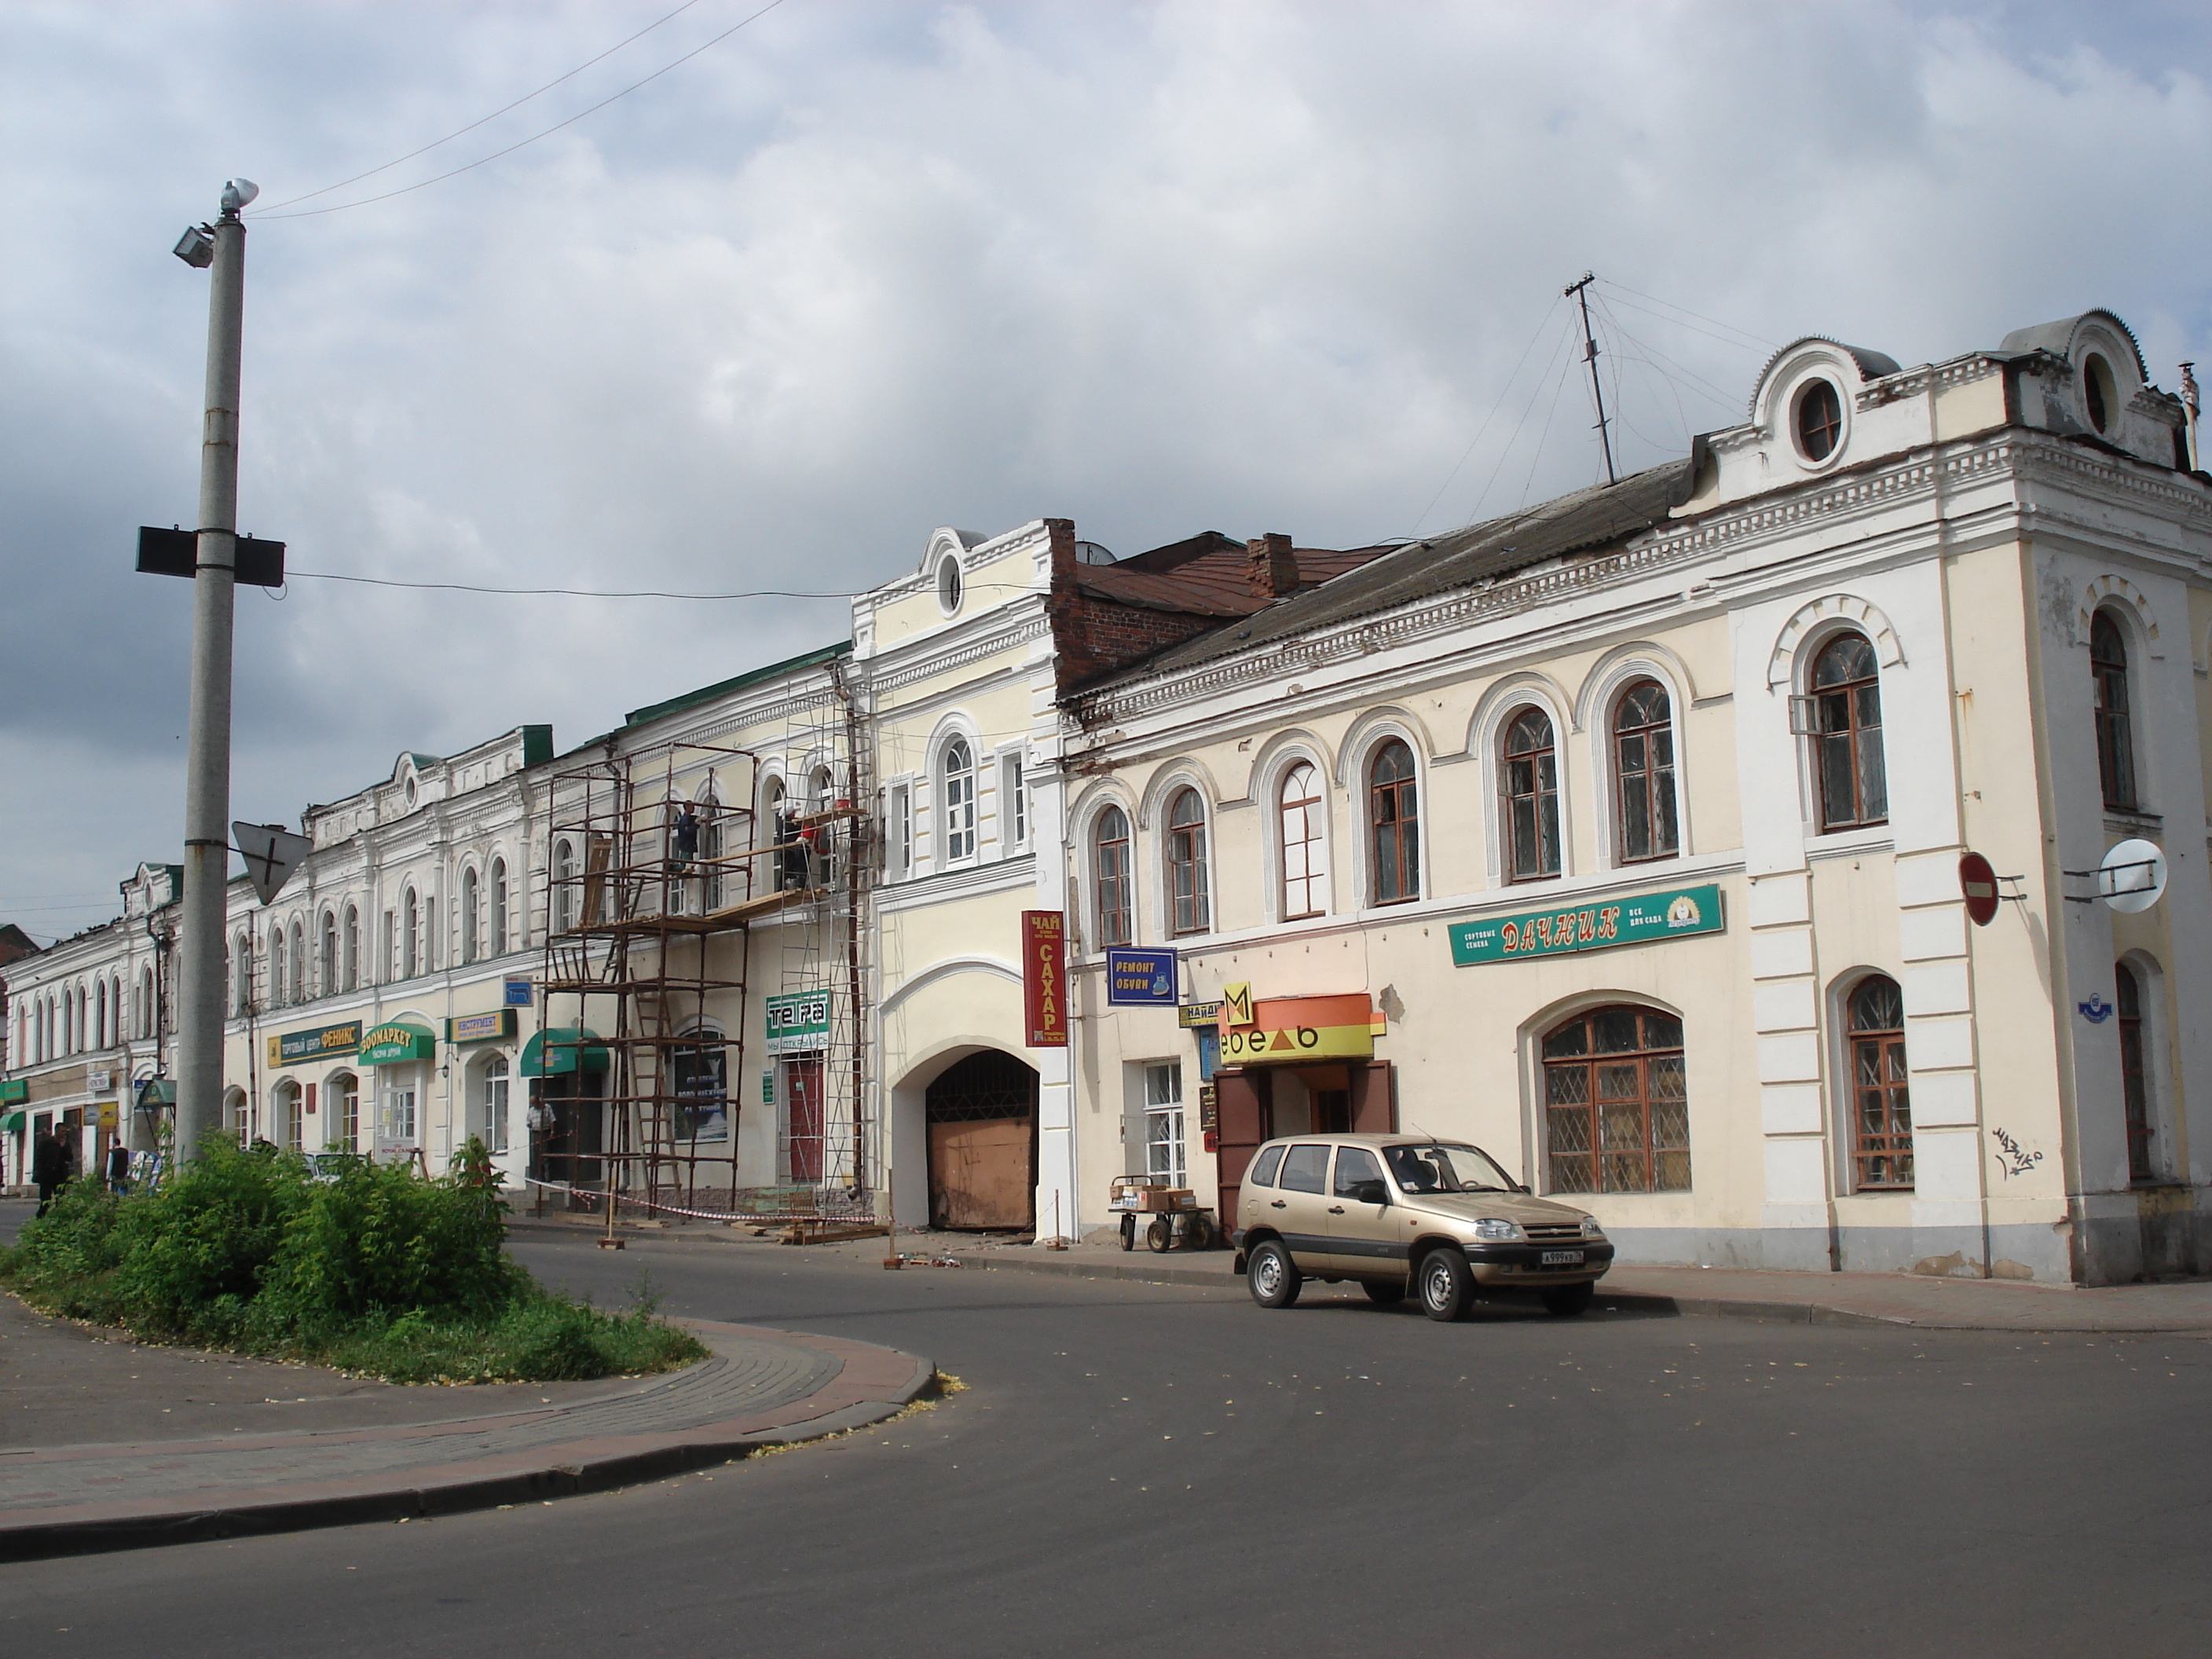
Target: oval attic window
{"x": 948, "y": 584}
{"x": 1820, "y": 420}
{"x": 2099, "y": 390}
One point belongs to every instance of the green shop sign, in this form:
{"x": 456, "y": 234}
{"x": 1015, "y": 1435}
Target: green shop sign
{"x": 298, "y": 1047}
{"x": 798, "y": 1023}
{"x": 1597, "y": 926}
{"x": 15, "y": 1090}
{"x": 396, "y": 1043}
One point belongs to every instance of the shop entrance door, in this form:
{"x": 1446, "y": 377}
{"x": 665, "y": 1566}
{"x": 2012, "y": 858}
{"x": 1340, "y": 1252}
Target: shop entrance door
{"x": 802, "y": 1096}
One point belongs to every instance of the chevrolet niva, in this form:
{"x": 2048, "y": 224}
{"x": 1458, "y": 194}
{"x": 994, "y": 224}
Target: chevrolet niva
{"x": 1394, "y": 1212}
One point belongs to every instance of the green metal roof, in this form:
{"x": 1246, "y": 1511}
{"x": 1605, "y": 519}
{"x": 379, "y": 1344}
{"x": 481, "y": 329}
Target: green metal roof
{"x": 789, "y": 665}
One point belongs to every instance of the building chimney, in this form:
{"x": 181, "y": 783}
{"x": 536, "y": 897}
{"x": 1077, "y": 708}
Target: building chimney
{"x": 1271, "y": 565}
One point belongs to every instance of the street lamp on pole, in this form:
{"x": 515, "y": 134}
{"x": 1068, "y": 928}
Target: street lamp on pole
{"x": 200, "y": 986}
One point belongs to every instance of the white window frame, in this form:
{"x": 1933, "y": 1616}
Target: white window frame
{"x": 1165, "y": 1126}
{"x": 898, "y": 851}
{"x": 1014, "y": 802}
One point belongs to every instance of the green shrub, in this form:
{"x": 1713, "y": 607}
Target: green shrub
{"x": 375, "y": 1271}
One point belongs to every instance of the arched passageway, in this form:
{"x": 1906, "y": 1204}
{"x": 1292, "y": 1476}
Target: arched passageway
{"x": 981, "y": 1112}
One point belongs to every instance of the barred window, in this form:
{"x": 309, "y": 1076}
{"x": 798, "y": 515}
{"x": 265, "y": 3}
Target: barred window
{"x": 1881, "y": 1114}
{"x": 1617, "y": 1115}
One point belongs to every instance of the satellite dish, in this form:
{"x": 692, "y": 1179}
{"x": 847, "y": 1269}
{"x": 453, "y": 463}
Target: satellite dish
{"x": 2132, "y": 877}
{"x": 1092, "y": 553}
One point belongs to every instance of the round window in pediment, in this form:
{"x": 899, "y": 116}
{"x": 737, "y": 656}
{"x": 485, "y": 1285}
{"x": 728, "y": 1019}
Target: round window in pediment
{"x": 948, "y": 584}
{"x": 1820, "y": 419}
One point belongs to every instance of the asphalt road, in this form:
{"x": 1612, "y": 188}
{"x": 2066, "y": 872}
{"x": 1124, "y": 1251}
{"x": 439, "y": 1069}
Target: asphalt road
{"x": 1136, "y": 1468}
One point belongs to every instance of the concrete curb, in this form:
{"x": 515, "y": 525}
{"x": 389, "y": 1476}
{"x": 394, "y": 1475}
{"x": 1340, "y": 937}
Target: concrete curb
{"x": 1807, "y": 1312}
{"x": 873, "y": 1382}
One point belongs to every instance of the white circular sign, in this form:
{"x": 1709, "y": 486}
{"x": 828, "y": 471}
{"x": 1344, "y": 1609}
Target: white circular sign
{"x": 2132, "y": 877}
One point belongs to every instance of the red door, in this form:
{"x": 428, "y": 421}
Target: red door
{"x": 1241, "y": 1102}
{"x": 1374, "y": 1098}
{"x": 802, "y": 1092}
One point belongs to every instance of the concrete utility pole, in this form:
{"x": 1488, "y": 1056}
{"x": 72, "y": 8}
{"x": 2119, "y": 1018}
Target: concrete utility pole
{"x": 207, "y": 760}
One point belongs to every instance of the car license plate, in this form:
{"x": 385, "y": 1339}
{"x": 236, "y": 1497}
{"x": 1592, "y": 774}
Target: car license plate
{"x": 1563, "y": 1258}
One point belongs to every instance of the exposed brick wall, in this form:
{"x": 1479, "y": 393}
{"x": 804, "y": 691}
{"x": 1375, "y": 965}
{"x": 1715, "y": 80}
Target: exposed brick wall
{"x": 1093, "y": 636}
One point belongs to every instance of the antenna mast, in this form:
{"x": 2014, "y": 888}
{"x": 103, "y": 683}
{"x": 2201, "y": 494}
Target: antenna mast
{"x": 1580, "y": 291}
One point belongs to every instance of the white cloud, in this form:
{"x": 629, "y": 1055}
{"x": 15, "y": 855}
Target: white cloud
{"x": 860, "y": 270}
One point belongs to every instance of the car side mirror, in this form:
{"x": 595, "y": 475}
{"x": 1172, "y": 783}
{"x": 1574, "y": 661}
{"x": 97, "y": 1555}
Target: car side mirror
{"x": 1370, "y": 1192}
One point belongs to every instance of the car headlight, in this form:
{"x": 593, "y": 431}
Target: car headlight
{"x": 1590, "y": 1229}
{"x": 1498, "y": 1229}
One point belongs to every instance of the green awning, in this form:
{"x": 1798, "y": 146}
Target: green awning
{"x": 11, "y": 1123}
{"x": 397, "y": 1043}
{"x": 561, "y": 1050}
{"x": 157, "y": 1091}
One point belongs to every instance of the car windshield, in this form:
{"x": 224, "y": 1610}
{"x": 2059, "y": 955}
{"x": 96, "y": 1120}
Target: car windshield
{"x": 1446, "y": 1166}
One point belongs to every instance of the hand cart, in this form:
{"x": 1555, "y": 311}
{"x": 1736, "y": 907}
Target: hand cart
{"x": 1177, "y": 1217}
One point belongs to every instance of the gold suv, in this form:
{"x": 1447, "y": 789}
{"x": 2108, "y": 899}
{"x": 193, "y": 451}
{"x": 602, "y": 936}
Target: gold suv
{"x": 1391, "y": 1211}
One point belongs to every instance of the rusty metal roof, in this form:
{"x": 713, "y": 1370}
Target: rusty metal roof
{"x": 1215, "y": 582}
{"x": 1373, "y": 580}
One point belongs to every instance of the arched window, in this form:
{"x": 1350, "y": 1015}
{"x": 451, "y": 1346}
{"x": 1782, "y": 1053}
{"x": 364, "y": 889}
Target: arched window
{"x": 469, "y": 918}
{"x": 327, "y": 981}
{"x": 295, "y": 988}
{"x": 1617, "y": 1115}
{"x": 1530, "y": 780}
{"x": 1305, "y": 853}
{"x": 1644, "y": 774}
{"x": 1189, "y": 902}
{"x": 149, "y": 1014}
{"x": 99, "y": 1015}
{"x": 1110, "y": 845}
{"x": 496, "y": 1080}
{"x": 1393, "y": 821}
{"x": 499, "y": 945}
{"x": 410, "y": 925}
{"x": 563, "y": 905}
{"x": 350, "y": 945}
{"x": 276, "y": 965}
{"x": 958, "y": 797}
{"x": 1847, "y": 734}
{"x": 345, "y": 1125}
{"x": 284, "y": 1107}
{"x": 2116, "y": 753}
{"x": 2134, "y": 1075}
{"x": 1881, "y": 1115}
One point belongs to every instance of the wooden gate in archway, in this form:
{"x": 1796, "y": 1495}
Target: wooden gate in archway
{"x": 983, "y": 1144}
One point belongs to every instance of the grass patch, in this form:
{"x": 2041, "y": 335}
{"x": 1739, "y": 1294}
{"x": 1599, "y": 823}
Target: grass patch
{"x": 376, "y": 1272}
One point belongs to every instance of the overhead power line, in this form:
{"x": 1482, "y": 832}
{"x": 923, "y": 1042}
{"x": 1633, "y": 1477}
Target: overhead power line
{"x": 454, "y": 173}
{"x": 575, "y": 593}
{"x": 458, "y": 132}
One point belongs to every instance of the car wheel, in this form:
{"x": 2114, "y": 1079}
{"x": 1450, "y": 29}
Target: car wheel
{"x": 1569, "y": 1299}
{"x": 1385, "y": 1295}
{"x": 1272, "y": 1276}
{"x": 1447, "y": 1285}
{"x": 1160, "y": 1235}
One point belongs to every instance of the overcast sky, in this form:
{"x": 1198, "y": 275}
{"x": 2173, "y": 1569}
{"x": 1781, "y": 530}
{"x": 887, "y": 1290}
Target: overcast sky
{"x": 861, "y": 270}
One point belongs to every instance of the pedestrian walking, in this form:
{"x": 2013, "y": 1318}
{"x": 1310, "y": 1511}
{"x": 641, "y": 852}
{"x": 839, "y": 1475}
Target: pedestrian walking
{"x": 118, "y": 1168}
{"x": 49, "y": 1167}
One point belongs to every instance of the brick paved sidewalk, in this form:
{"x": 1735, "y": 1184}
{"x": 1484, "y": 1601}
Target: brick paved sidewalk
{"x": 129, "y": 1488}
